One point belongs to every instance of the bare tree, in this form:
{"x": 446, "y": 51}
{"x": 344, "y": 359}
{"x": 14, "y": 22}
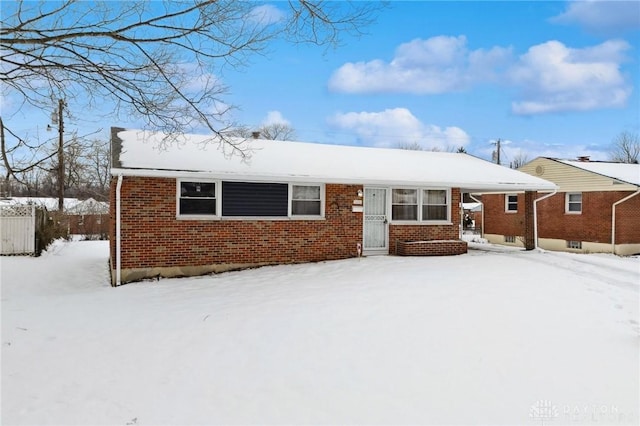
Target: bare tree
{"x": 98, "y": 168}
{"x": 272, "y": 131}
{"x": 625, "y": 148}
{"x": 277, "y": 131}
{"x": 411, "y": 146}
{"x": 158, "y": 61}
{"x": 519, "y": 160}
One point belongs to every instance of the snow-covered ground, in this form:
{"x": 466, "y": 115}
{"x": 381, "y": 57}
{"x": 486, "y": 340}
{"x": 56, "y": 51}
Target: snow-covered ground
{"x": 496, "y": 336}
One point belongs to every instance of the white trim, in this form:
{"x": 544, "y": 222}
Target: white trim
{"x": 566, "y": 202}
{"x": 420, "y": 200}
{"x": 448, "y": 205}
{"x": 215, "y": 216}
{"x": 507, "y": 203}
{"x": 118, "y": 231}
{"x": 535, "y": 217}
{"x": 269, "y": 218}
{"x": 306, "y": 217}
{"x": 613, "y": 219}
{"x": 380, "y": 250}
{"x": 218, "y": 196}
{"x": 497, "y": 187}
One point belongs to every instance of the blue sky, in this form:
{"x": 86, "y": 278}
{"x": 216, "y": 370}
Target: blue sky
{"x": 548, "y": 78}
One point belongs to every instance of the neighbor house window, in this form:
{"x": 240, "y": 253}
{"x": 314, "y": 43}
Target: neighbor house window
{"x": 404, "y": 204}
{"x": 197, "y": 198}
{"x": 434, "y": 204}
{"x": 306, "y": 200}
{"x": 573, "y": 202}
{"x": 511, "y": 202}
{"x": 509, "y": 239}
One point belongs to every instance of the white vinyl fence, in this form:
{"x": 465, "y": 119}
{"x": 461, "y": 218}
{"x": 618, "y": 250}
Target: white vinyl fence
{"x": 17, "y": 229}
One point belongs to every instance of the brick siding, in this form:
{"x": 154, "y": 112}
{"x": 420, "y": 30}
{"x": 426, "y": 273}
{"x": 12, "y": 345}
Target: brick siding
{"x": 592, "y": 225}
{"x": 88, "y": 224}
{"x": 152, "y": 236}
{"x": 431, "y": 248}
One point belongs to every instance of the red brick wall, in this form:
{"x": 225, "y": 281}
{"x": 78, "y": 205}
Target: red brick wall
{"x": 431, "y": 248}
{"x": 153, "y": 237}
{"x": 593, "y": 225}
{"x": 89, "y": 224}
{"x": 497, "y": 221}
{"x": 628, "y": 221}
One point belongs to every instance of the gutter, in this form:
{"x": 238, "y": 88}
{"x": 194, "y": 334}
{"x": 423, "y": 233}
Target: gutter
{"x": 613, "y": 219}
{"x": 535, "y": 215}
{"x": 118, "y": 232}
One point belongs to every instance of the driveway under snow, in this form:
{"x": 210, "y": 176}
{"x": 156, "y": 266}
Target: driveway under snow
{"x": 496, "y": 336}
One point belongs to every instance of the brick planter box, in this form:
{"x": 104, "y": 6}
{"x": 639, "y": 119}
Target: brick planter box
{"x": 431, "y": 248}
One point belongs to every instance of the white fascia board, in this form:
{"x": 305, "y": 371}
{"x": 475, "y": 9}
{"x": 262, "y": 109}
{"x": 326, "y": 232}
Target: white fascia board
{"x": 476, "y": 187}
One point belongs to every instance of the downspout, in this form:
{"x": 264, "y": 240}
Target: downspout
{"x": 535, "y": 215}
{"x": 118, "y": 229}
{"x": 482, "y": 215}
{"x": 613, "y": 219}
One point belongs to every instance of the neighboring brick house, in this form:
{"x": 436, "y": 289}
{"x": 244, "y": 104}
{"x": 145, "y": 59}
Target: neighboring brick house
{"x": 188, "y": 209}
{"x": 88, "y": 217}
{"x": 596, "y": 208}
{"x": 80, "y": 217}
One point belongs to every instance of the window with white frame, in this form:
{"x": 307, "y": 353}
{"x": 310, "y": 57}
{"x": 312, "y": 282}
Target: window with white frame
{"x": 573, "y": 202}
{"x": 577, "y": 245}
{"x": 197, "y": 198}
{"x": 404, "y": 204}
{"x": 306, "y": 200}
{"x": 435, "y": 204}
{"x": 203, "y": 199}
{"x": 419, "y": 205}
{"x": 511, "y": 203}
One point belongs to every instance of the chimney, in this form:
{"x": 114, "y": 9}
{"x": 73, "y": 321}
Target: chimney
{"x": 255, "y": 135}
{"x": 583, "y": 158}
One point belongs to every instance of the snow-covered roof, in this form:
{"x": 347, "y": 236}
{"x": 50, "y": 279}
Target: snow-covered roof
{"x": 629, "y": 173}
{"x": 137, "y": 153}
{"x": 90, "y": 206}
{"x": 50, "y": 203}
{"x": 71, "y": 205}
{"x": 474, "y": 207}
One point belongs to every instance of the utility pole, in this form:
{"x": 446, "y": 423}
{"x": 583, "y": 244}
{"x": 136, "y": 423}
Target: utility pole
{"x": 60, "y": 157}
{"x": 496, "y": 153}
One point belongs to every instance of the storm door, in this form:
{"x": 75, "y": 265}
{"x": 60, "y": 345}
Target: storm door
{"x": 375, "y": 221}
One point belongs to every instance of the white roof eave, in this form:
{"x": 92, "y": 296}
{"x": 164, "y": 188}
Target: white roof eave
{"x": 498, "y": 187}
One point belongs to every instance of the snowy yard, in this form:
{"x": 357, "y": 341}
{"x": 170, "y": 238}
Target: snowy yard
{"x": 497, "y": 336}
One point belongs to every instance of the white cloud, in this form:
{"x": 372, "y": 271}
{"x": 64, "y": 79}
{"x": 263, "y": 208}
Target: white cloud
{"x": 602, "y": 16}
{"x": 436, "y": 65}
{"x": 195, "y": 79}
{"x": 398, "y": 126}
{"x": 275, "y": 117}
{"x": 553, "y": 77}
{"x": 266, "y": 14}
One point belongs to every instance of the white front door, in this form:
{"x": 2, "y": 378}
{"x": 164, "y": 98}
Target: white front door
{"x": 375, "y": 221}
